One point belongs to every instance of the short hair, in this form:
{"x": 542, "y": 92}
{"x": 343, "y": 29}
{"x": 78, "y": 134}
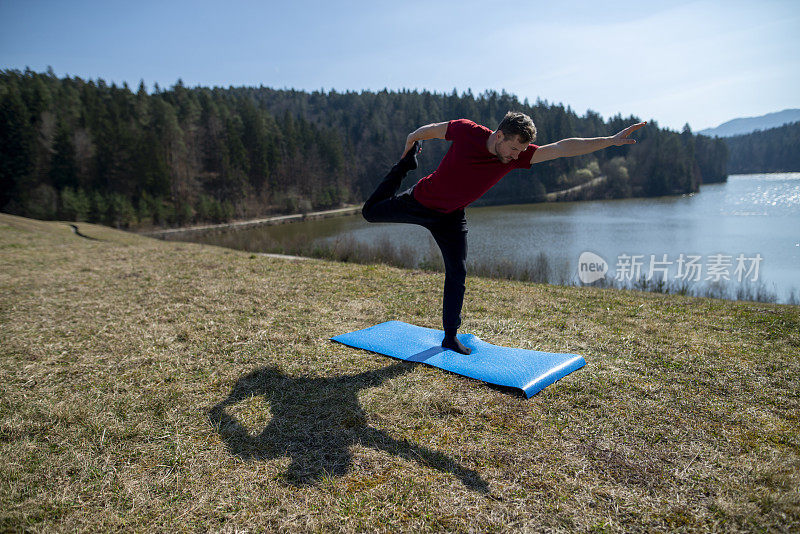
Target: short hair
{"x": 519, "y": 124}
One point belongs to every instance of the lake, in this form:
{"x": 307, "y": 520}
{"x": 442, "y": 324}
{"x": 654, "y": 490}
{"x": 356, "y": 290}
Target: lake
{"x": 744, "y": 231}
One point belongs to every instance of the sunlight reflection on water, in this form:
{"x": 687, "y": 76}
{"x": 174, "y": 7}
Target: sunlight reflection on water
{"x": 763, "y": 194}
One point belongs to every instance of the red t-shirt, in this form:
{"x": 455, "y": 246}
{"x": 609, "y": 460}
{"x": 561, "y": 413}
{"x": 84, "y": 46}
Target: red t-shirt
{"x": 468, "y": 169}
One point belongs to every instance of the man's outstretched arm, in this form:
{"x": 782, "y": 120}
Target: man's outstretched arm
{"x": 577, "y": 146}
{"x": 429, "y": 131}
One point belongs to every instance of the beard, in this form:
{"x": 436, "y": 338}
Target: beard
{"x": 502, "y": 159}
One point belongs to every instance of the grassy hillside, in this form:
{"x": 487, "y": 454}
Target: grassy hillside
{"x": 149, "y": 385}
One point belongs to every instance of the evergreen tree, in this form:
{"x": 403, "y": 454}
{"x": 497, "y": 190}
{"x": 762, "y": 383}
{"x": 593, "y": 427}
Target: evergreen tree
{"x": 16, "y": 147}
{"x": 64, "y": 170}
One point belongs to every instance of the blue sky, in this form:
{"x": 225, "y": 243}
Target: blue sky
{"x": 701, "y": 62}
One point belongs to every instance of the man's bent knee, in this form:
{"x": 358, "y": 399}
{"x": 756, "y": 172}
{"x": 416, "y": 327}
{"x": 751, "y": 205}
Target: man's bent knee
{"x": 366, "y": 212}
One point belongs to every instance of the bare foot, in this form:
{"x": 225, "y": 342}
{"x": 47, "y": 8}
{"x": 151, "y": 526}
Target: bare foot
{"x": 452, "y": 343}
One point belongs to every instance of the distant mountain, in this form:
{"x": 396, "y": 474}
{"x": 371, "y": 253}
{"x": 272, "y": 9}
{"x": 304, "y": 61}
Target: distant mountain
{"x": 746, "y": 125}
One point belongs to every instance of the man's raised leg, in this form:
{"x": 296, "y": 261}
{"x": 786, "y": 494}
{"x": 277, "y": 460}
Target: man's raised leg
{"x": 391, "y": 183}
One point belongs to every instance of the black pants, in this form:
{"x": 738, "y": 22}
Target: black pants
{"x": 449, "y": 230}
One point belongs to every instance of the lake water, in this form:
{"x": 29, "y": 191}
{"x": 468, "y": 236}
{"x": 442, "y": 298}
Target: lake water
{"x": 745, "y": 230}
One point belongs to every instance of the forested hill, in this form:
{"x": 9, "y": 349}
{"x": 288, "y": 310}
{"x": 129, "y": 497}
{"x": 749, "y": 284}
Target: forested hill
{"x": 84, "y": 150}
{"x": 773, "y": 150}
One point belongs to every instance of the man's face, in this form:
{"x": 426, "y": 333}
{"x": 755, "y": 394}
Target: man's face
{"x": 508, "y": 148}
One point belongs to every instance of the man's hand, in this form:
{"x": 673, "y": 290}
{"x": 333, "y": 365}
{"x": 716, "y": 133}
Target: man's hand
{"x": 409, "y": 143}
{"x": 622, "y": 137}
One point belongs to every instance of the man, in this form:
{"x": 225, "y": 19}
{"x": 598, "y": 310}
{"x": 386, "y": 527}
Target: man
{"x": 476, "y": 160}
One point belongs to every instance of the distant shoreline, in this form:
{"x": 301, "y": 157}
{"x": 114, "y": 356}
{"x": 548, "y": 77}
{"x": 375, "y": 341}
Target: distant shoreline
{"x": 252, "y": 223}
{"x": 347, "y": 210}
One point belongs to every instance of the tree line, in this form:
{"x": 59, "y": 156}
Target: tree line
{"x": 84, "y": 150}
{"x": 773, "y": 150}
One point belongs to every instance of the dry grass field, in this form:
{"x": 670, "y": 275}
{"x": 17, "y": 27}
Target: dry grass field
{"x": 161, "y": 386}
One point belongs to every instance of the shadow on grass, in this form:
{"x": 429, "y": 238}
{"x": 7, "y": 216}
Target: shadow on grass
{"x": 315, "y": 421}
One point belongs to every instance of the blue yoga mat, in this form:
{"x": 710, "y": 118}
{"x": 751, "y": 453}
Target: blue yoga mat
{"x": 528, "y": 370}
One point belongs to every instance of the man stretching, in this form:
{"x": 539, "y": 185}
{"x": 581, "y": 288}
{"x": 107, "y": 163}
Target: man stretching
{"x": 476, "y": 160}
